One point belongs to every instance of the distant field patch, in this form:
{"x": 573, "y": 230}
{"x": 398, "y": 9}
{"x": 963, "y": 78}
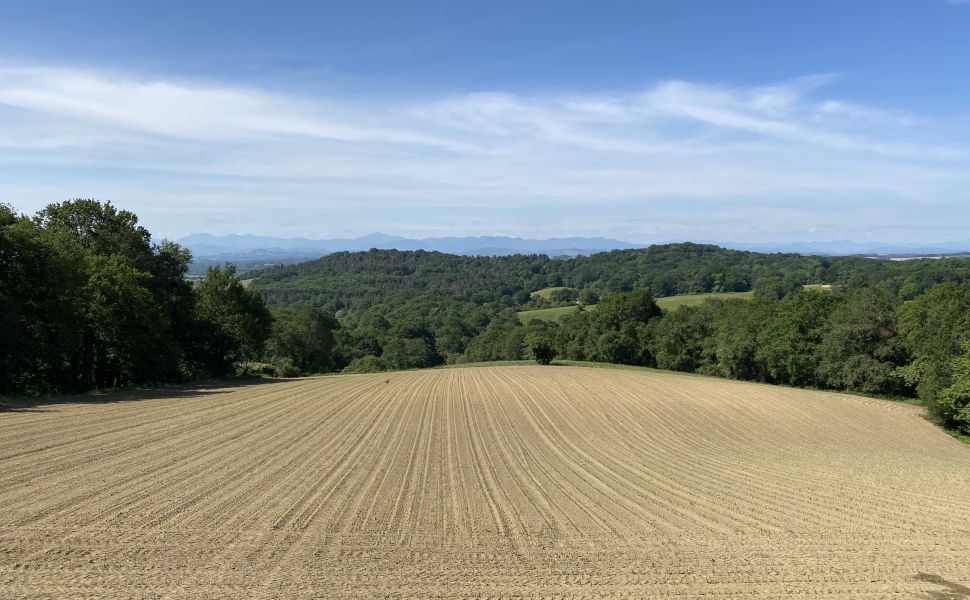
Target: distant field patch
{"x": 551, "y": 314}
{"x": 675, "y": 302}
{"x": 667, "y": 303}
{"x": 547, "y": 292}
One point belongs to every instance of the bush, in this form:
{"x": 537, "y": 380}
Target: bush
{"x": 284, "y": 367}
{"x": 368, "y": 364}
{"x": 257, "y": 368}
{"x": 305, "y": 336}
{"x": 541, "y": 349}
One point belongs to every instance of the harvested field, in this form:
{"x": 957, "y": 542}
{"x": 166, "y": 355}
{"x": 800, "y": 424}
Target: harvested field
{"x": 494, "y": 482}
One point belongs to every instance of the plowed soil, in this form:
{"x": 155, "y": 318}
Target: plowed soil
{"x": 495, "y": 482}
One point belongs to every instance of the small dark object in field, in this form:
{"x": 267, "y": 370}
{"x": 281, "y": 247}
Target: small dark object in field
{"x": 387, "y": 381}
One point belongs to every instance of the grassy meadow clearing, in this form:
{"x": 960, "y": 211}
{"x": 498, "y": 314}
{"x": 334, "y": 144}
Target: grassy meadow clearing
{"x": 668, "y": 303}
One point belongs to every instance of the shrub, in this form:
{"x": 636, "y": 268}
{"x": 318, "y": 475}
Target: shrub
{"x": 284, "y": 367}
{"x": 368, "y": 364}
{"x": 541, "y": 350}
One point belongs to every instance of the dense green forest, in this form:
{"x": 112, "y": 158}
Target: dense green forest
{"x": 896, "y": 328}
{"x": 89, "y": 300}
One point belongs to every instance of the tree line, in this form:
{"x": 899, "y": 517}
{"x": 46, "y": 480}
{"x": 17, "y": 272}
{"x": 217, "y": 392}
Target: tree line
{"x": 898, "y": 329}
{"x": 867, "y": 340}
{"x": 87, "y": 300}
{"x": 354, "y": 281}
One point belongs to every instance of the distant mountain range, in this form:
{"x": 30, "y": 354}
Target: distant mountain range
{"x": 204, "y": 245}
{"x": 252, "y": 250}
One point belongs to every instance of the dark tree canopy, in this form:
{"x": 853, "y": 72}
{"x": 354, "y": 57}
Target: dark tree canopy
{"x": 89, "y": 300}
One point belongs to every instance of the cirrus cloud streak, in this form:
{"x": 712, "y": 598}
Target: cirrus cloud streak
{"x": 672, "y": 156}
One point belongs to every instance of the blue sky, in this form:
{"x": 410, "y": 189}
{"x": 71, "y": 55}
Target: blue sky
{"x": 646, "y": 121}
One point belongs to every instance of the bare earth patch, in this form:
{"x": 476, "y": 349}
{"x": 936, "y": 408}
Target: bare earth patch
{"x": 496, "y": 482}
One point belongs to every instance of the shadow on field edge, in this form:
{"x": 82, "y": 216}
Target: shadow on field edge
{"x": 185, "y": 390}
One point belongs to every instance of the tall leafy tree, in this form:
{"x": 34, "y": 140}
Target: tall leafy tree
{"x": 860, "y": 349}
{"x": 682, "y": 340}
{"x": 620, "y": 325}
{"x": 128, "y": 338}
{"x": 306, "y": 337}
{"x": 235, "y": 321}
{"x": 89, "y": 300}
{"x": 932, "y": 329}
{"x": 953, "y": 404}
{"x": 131, "y": 287}
{"x": 411, "y": 345}
{"x": 788, "y": 345}
{"x": 101, "y": 229}
{"x": 737, "y": 325}
{"x": 41, "y": 307}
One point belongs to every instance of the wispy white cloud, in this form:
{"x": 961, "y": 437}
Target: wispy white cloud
{"x": 868, "y": 114}
{"x": 472, "y": 162}
{"x": 189, "y": 111}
